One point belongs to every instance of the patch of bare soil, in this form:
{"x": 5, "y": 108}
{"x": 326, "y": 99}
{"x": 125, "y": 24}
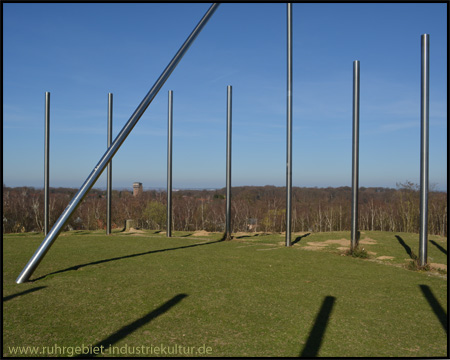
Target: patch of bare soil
{"x": 438, "y": 266}
{"x": 367, "y": 241}
{"x": 343, "y": 242}
{"x": 201, "y": 233}
{"x": 385, "y": 257}
{"x": 241, "y": 233}
{"x": 313, "y": 248}
{"x": 136, "y": 232}
{"x": 321, "y": 244}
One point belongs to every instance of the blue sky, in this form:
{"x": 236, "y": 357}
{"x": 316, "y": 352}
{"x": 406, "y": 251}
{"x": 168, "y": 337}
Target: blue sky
{"x": 80, "y": 52}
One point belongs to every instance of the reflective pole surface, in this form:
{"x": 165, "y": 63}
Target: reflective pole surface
{"x": 46, "y": 162}
{"x": 424, "y": 111}
{"x": 228, "y": 206}
{"x": 289, "y": 127}
{"x": 101, "y": 165}
{"x": 355, "y": 157}
{"x": 109, "y": 177}
{"x": 169, "y": 166}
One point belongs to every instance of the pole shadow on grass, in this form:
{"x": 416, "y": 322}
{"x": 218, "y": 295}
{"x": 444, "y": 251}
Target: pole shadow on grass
{"x": 314, "y": 342}
{"x": 298, "y": 238}
{"x": 407, "y": 248}
{"x": 438, "y": 246}
{"x": 437, "y": 308}
{"x": 130, "y": 328}
{"x": 10, "y": 297}
{"x": 76, "y": 267}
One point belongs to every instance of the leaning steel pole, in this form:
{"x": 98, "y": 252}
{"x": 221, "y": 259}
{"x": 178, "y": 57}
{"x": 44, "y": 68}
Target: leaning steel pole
{"x": 105, "y": 159}
{"x": 169, "y": 165}
{"x": 355, "y": 157}
{"x": 289, "y": 127}
{"x": 109, "y": 177}
{"x": 228, "y": 206}
{"x": 46, "y": 162}
{"x": 424, "y": 144}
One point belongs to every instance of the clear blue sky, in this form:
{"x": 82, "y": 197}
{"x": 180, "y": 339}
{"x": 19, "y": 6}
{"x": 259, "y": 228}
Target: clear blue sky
{"x": 80, "y": 52}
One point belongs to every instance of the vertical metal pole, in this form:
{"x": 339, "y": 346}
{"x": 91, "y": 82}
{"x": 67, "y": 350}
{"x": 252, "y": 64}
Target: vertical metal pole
{"x": 289, "y": 127}
{"x": 355, "y": 157}
{"x": 228, "y": 209}
{"x": 109, "y": 154}
{"x": 424, "y": 112}
{"x": 109, "y": 175}
{"x": 169, "y": 166}
{"x": 46, "y": 162}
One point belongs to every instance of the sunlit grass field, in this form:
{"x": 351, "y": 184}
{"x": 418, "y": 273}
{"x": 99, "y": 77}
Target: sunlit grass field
{"x": 142, "y": 294}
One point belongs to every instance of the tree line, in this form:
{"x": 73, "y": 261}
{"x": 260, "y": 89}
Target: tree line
{"x": 254, "y": 208}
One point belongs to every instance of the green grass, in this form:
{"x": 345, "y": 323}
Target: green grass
{"x": 247, "y": 297}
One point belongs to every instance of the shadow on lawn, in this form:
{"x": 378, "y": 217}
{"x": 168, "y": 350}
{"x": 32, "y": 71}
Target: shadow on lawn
{"x": 76, "y": 267}
{"x": 10, "y": 297}
{"x": 130, "y": 328}
{"x": 439, "y": 246}
{"x": 314, "y": 341}
{"x": 437, "y": 308}
{"x": 407, "y": 248}
{"x": 297, "y": 239}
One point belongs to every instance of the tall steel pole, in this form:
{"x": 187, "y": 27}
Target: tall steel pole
{"x": 109, "y": 177}
{"x": 104, "y": 160}
{"x": 169, "y": 165}
{"x": 355, "y": 157}
{"x": 424, "y": 112}
{"x": 228, "y": 209}
{"x": 289, "y": 127}
{"x": 46, "y": 162}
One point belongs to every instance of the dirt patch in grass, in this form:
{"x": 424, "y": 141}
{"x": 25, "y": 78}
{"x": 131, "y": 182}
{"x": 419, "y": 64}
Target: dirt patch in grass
{"x": 136, "y": 232}
{"x": 368, "y": 241}
{"x": 385, "y": 257}
{"x": 342, "y": 242}
{"x": 438, "y": 266}
{"x": 321, "y": 244}
{"x": 201, "y": 233}
{"x": 313, "y": 248}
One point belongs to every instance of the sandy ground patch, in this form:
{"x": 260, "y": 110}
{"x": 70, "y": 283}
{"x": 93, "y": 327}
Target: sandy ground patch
{"x": 201, "y": 233}
{"x": 367, "y": 241}
{"x": 385, "y": 257}
{"x": 342, "y": 242}
{"x": 317, "y": 244}
{"x": 439, "y": 266}
{"x": 313, "y": 248}
{"x": 136, "y": 231}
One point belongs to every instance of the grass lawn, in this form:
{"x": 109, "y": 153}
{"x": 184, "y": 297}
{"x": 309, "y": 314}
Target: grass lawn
{"x": 198, "y": 296}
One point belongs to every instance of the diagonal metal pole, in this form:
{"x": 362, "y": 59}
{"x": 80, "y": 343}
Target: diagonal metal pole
{"x": 424, "y": 121}
{"x": 101, "y": 165}
{"x": 46, "y": 162}
{"x": 169, "y": 165}
{"x": 289, "y": 127}
{"x": 109, "y": 177}
{"x": 355, "y": 157}
{"x": 228, "y": 181}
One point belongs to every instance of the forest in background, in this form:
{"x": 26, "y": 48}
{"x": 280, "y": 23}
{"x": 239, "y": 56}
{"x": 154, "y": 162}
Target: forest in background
{"x": 254, "y": 208}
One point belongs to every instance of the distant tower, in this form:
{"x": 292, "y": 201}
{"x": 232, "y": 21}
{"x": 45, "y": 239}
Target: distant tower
{"x": 137, "y": 188}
